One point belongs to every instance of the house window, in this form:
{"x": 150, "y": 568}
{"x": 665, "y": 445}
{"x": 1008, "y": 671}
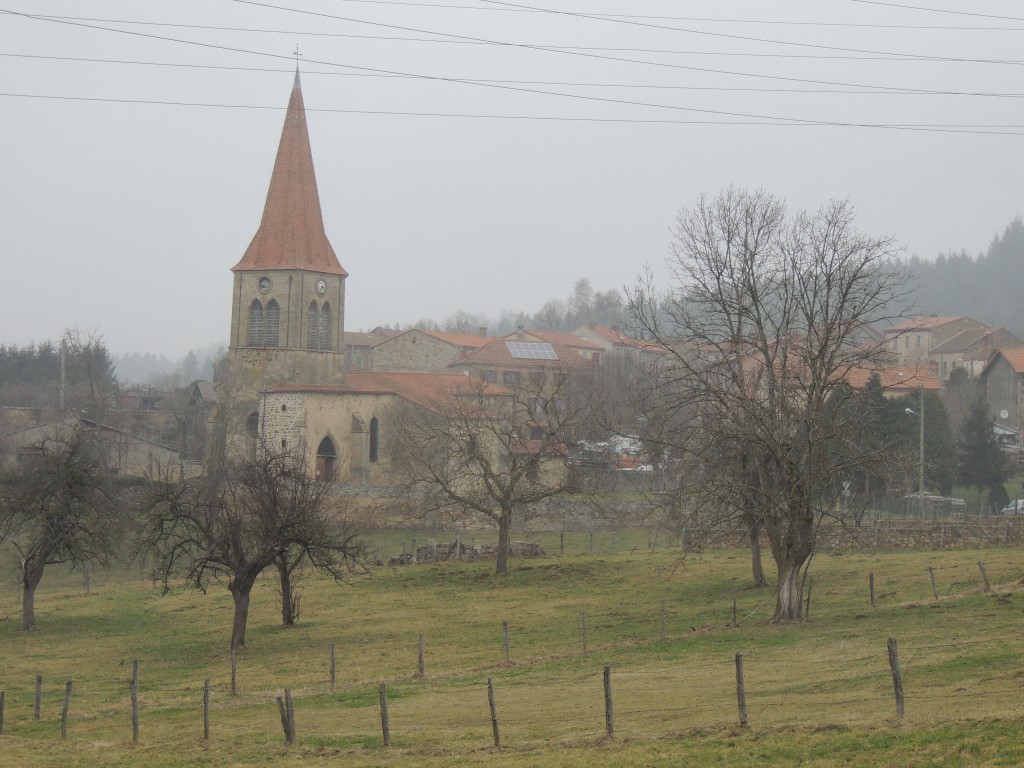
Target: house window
{"x": 325, "y": 326}
{"x": 273, "y": 323}
{"x": 255, "y": 324}
{"x": 533, "y": 472}
{"x": 917, "y": 341}
{"x": 488, "y": 376}
{"x": 511, "y": 378}
{"x": 374, "y": 439}
{"x": 312, "y": 326}
{"x": 252, "y": 425}
{"x": 537, "y": 377}
{"x": 326, "y": 460}
{"x": 536, "y": 433}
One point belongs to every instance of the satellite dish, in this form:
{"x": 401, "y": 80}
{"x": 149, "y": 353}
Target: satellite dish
{"x": 1004, "y": 414}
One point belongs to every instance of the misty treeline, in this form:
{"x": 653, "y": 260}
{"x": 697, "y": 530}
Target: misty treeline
{"x": 584, "y": 306}
{"x": 150, "y": 368}
{"x": 77, "y": 368}
{"x": 985, "y": 287}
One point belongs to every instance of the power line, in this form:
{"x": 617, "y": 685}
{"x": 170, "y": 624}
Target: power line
{"x": 713, "y": 20}
{"x": 576, "y": 84}
{"x": 807, "y": 81}
{"x": 987, "y": 130}
{"x": 939, "y": 10}
{"x": 505, "y": 87}
{"x": 744, "y": 38}
{"x": 306, "y": 33}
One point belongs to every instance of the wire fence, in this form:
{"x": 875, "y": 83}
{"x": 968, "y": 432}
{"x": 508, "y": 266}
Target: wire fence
{"x": 952, "y": 679}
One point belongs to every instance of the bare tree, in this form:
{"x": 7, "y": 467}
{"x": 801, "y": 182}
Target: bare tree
{"x": 59, "y": 506}
{"x": 490, "y": 450}
{"x": 235, "y": 523}
{"x": 764, "y": 320}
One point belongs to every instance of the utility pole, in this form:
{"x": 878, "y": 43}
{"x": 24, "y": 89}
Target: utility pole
{"x": 920, "y": 468}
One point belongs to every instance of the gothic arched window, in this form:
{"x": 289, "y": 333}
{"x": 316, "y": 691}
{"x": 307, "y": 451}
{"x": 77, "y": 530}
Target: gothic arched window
{"x": 256, "y": 324}
{"x": 326, "y": 460}
{"x": 312, "y": 327}
{"x": 272, "y": 333}
{"x": 325, "y": 326}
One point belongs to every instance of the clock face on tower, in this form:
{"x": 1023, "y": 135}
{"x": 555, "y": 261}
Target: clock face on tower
{"x": 264, "y": 284}
{"x": 321, "y": 287}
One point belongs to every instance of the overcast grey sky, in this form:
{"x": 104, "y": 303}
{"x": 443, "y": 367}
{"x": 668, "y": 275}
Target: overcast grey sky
{"x": 473, "y": 154}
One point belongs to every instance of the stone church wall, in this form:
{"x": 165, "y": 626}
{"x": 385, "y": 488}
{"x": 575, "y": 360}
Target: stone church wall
{"x": 414, "y": 352}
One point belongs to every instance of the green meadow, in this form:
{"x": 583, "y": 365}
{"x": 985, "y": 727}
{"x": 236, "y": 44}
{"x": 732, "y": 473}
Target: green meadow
{"x": 818, "y": 694}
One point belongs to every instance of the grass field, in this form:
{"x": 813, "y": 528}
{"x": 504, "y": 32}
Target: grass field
{"x": 818, "y": 694}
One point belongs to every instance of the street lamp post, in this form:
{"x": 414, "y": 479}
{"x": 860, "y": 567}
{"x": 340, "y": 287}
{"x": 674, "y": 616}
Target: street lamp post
{"x": 920, "y": 465}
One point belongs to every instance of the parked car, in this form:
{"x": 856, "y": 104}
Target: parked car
{"x": 1016, "y": 507}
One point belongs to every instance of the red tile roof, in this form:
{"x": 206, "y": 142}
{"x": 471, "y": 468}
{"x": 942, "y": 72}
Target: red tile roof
{"x": 1013, "y": 355}
{"x": 556, "y": 337}
{"x": 291, "y": 234}
{"x": 496, "y": 352}
{"x": 922, "y": 323}
{"x": 896, "y": 379}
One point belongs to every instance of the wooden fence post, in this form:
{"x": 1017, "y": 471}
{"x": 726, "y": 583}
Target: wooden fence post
{"x": 897, "y": 675}
{"x": 3, "y": 695}
{"x": 561, "y": 543}
{"x": 662, "y": 619}
{"x": 584, "y": 619}
{"x": 984, "y": 576}
{"x": 39, "y": 696}
{"x": 332, "y": 666}
{"x": 504, "y": 629}
{"x": 494, "y": 713}
{"x": 609, "y": 718}
{"x": 290, "y": 711}
{"x": 590, "y": 545}
{"x": 741, "y": 691}
{"x": 935, "y": 590}
{"x": 871, "y": 586}
{"x": 283, "y": 712}
{"x": 64, "y": 712}
{"x": 422, "y": 668}
{"x": 385, "y": 723}
{"x": 206, "y": 709}
{"x": 133, "y": 689}
{"x": 734, "y": 612}
{"x": 810, "y": 585}
{"x": 234, "y": 673}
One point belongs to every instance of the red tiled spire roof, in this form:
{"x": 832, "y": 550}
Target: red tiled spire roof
{"x": 291, "y": 234}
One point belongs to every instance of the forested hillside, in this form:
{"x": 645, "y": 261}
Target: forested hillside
{"x": 988, "y": 287}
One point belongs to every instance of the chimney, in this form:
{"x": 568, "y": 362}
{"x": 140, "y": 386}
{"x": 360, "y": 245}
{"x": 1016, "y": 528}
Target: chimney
{"x": 520, "y": 333}
{"x": 483, "y": 331}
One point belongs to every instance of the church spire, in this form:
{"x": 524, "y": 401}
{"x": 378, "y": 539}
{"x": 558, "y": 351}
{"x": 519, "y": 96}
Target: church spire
{"x": 291, "y": 234}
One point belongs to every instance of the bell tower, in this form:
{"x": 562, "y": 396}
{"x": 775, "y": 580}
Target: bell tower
{"x": 288, "y": 300}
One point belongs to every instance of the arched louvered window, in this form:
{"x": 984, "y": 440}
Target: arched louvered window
{"x": 326, "y": 460}
{"x": 374, "y": 439}
{"x": 312, "y": 327}
{"x": 272, "y": 332}
{"x": 325, "y": 326}
{"x": 256, "y": 324}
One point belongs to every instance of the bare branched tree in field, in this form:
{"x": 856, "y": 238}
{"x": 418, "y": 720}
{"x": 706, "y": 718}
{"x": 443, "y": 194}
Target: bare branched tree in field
{"x": 765, "y": 317}
{"x": 58, "y": 506}
{"x": 235, "y": 523}
{"x": 490, "y": 450}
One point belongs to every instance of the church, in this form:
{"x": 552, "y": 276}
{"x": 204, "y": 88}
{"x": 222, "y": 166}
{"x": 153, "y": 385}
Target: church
{"x": 286, "y": 383}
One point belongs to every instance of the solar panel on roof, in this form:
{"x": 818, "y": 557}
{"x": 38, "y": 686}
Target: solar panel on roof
{"x": 531, "y": 350}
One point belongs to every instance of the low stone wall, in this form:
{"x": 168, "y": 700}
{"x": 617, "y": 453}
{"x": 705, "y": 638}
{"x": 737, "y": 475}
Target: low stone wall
{"x": 384, "y": 508}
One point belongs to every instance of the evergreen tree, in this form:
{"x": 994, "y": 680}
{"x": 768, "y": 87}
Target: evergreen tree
{"x": 980, "y": 462}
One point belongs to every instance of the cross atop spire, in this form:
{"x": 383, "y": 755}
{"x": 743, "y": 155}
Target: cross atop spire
{"x": 297, "y": 54}
{"x": 291, "y": 234}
